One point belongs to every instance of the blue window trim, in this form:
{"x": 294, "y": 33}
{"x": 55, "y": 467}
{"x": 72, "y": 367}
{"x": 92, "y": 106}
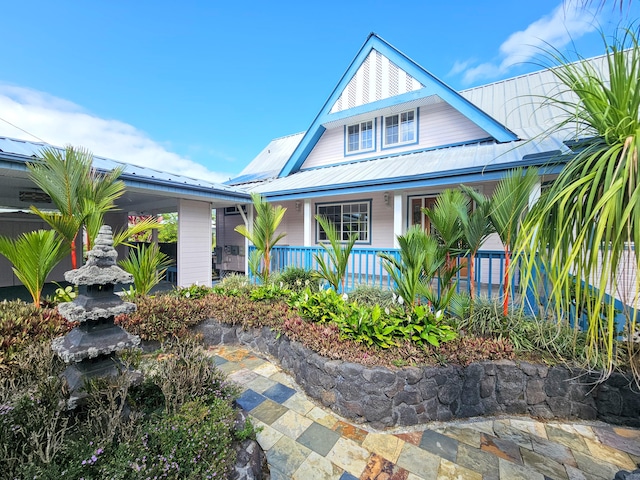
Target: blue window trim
{"x": 374, "y": 137}
{"x": 345, "y": 202}
{"x": 400, "y": 145}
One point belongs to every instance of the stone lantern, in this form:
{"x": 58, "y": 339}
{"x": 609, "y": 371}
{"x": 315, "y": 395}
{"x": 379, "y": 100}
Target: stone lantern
{"x": 89, "y": 349}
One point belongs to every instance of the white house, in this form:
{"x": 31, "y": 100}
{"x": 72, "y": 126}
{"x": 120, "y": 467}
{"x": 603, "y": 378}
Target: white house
{"x": 390, "y": 137}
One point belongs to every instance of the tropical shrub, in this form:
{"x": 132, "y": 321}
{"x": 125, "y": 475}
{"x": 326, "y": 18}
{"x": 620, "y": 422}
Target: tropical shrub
{"x": 371, "y": 296}
{"x": 297, "y": 279}
{"x": 333, "y": 268}
{"x": 22, "y": 325}
{"x": 587, "y": 225}
{"x": 163, "y": 316}
{"x": 187, "y": 434}
{"x": 192, "y": 291}
{"x": 147, "y": 264}
{"x": 234, "y": 284}
{"x": 33, "y": 255}
{"x": 263, "y": 234}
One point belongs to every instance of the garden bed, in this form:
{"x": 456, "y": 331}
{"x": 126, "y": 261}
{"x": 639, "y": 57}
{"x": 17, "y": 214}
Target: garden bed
{"x": 386, "y": 397}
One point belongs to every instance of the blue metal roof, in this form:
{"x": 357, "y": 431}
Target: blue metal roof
{"x": 21, "y": 151}
{"x": 433, "y": 167}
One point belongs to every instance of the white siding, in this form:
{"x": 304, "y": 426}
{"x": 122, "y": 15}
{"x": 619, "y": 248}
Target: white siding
{"x": 194, "y": 243}
{"x": 438, "y": 125}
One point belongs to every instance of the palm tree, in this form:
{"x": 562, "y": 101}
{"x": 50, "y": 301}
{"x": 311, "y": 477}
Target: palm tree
{"x": 335, "y": 269}
{"x": 80, "y": 193}
{"x": 34, "y": 255}
{"x": 476, "y": 227}
{"x": 420, "y": 259}
{"x": 585, "y": 227}
{"x": 263, "y": 234}
{"x": 509, "y": 204}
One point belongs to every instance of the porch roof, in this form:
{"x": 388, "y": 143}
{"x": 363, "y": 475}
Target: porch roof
{"x": 444, "y": 166}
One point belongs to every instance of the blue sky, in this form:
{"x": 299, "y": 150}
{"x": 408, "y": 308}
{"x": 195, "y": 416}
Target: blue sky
{"x": 200, "y": 87}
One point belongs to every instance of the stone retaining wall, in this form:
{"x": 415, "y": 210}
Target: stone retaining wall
{"x": 383, "y": 397}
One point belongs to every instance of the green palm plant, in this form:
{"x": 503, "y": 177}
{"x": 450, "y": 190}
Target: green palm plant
{"x": 334, "y": 270}
{"x": 34, "y": 255}
{"x": 263, "y": 232}
{"x": 147, "y": 264}
{"x": 81, "y": 194}
{"x": 447, "y": 217}
{"x": 476, "y": 227}
{"x": 420, "y": 259}
{"x": 585, "y": 227}
{"x": 509, "y": 204}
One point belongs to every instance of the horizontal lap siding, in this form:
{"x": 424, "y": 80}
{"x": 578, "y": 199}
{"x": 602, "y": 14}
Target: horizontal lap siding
{"x": 194, "y": 243}
{"x": 439, "y": 125}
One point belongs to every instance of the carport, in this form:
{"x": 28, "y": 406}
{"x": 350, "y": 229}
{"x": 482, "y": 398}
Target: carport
{"x": 148, "y": 192}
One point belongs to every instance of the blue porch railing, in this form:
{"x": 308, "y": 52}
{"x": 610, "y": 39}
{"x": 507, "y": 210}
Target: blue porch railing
{"x": 366, "y": 268}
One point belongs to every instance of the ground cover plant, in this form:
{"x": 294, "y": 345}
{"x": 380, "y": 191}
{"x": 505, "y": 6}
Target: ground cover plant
{"x": 179, "y": 423}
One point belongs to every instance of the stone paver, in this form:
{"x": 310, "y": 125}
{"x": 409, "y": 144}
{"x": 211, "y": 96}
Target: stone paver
{"x": 304, "y": 441}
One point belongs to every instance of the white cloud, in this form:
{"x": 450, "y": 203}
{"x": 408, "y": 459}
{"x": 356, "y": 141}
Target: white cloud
{"x": 569, "y": 21}
{"x": 59, "y": 122}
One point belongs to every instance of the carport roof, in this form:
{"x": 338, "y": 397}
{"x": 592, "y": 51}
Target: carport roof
{"x": 14, "y": 155}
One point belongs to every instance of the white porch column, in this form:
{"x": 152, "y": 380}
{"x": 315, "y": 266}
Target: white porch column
{"x": 249, "y": 225}
{"x": 307, "y": 217}
{"x": 194, "y": 243}
{"x": 535, "y": 193}
{"x": 397, "y": 219}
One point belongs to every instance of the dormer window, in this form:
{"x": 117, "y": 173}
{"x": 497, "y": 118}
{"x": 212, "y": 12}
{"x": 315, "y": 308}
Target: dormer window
{"x": 360, "y": 137}
{"x": 400, "y": 129}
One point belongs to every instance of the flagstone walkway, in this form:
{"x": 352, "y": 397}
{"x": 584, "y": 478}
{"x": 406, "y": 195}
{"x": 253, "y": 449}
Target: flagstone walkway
{"x": 306, "y": 442}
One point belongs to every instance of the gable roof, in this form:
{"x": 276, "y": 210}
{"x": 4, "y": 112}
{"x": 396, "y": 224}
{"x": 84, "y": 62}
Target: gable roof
{"x": 374, "y": 57}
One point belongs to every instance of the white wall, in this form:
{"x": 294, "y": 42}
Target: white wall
{"x": 194, "y": 243}
{"x": 438, "y": 125}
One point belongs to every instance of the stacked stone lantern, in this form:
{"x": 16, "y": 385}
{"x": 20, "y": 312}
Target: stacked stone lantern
{"x": 90, "y": 348}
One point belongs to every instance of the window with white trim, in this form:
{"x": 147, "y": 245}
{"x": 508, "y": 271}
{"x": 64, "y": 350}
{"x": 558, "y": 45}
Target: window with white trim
{"x": 400, "y": 129}
{"x": 360, "y": 137}
{"x": 348, "y": 218}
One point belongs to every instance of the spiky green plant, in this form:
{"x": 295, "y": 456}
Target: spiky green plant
{"x": 263, "y": 231}
{"x": 334, "y": 269}
{"x": 509, "y": 204}
{"x": 420, "y": 258}
{"x": 476, "y": 227}
{"x": 34, "y": 255}
{"x": 81, "y": 194}
{"x": 586, "y": 225}
{"x": 147, "y": 264}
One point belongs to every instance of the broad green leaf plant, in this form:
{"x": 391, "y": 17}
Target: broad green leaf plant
{"x": 585, "y": 230}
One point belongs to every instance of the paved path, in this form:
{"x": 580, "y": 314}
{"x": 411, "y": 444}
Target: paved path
{"x": 306, "y": 442}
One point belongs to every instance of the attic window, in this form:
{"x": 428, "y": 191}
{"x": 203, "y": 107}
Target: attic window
{"x": 359, "y": 137}
{"x": 400, "y": 129}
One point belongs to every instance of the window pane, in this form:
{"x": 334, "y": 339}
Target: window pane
{"x": 367, "y": 135}
{"x": 407, "y": 126}
{"x": 391, "y": 129}
{"x": 353, "y": 143}
{"x": 348, "y": 218}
